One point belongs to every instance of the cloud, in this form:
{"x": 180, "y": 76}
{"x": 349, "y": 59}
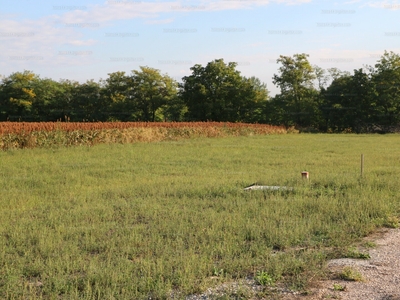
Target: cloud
{"x": 58, "y": 39}
{"x": 164, "y": 21}
{"x": 18, "y": 37}
{"x": 257, "y": 45}
{"x": 352, "y": 2}
{"x": 89, "y": 42}
{"x": 114, "y": 10}
{"x": 390, "y": 5}
{"x": 293, "y": 2}
{"x": 39, "y": 42}
{"x": 345, "y": 59}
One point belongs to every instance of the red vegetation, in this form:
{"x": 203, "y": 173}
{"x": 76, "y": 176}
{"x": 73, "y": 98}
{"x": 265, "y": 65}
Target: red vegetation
{"x": 28, "y": 127}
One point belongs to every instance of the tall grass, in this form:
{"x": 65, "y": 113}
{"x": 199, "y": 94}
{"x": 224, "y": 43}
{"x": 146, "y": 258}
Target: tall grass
{"x": 157, "y": 220}
{"x": 14, "y": 135}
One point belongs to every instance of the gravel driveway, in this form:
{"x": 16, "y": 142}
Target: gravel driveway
{"x": 381, "y": 273}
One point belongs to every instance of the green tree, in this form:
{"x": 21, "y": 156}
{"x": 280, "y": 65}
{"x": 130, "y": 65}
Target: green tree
{"x": 175, "y": 110}
{"x": 86, "y": 102}
{"x": 149, "y": 92}
{"x": 350, "y": 102}
{"x": 336, "y": 109}
{"x": 321, "y": 77}
{"x": 298, "y": 96}
{"x": 276, "y": 113}
{"x": 116, "y": 92}
{"x": 364, "y": 98}
{"x": 257, "y": 99}
{"x": 17, "y": 96}
{"x": 336, "y": 73}
{"x": 386, "y": 77}
{"x": 44, "y": 106}
{"x": 63, "y": 107}
{"x": 217, "y": 92}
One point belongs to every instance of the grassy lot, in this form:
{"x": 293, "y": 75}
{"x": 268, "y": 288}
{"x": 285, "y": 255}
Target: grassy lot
{"x": 151, "y": 220}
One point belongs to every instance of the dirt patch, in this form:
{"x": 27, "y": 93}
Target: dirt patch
{"x": 380, "y": 273}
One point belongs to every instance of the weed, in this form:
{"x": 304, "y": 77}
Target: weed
{"x": 239, "y": 294}
{"x": 329, "y": 296}
{"x": 218, "y": 272}
{"x": 369, "y": 244}
{"x": 350, "y": 274}
{"x": 263, "y": 278}
{"x": 339, "y": 287}
{"x": 391, "y": 222}
{"x": 354, "y": 253}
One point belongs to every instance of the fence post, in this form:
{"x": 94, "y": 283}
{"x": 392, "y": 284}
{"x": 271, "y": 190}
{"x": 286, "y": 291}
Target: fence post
{"x": 362, "y": 164}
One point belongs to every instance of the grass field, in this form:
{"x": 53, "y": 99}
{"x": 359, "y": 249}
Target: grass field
{"x": 151, "y": 220}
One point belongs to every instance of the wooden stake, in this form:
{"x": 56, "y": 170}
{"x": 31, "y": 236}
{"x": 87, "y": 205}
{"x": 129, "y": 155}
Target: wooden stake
{"x": 362, "y": 164}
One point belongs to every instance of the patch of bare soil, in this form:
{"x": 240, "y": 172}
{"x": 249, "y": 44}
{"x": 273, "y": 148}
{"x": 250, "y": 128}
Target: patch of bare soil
{"x": 380, "y": 273}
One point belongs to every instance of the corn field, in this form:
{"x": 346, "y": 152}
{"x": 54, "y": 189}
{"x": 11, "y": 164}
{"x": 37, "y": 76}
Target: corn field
{"x": 17, "y": 135}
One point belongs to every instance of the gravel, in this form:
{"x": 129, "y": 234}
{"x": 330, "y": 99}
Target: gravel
{"x": 381, "y": 274}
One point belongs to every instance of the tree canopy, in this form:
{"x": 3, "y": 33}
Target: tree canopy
{"x": 217, "y": 92}
{"x": 310, "y": 98}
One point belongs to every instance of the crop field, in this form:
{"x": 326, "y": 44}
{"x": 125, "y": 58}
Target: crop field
{"x": 14, "y": 135}
{"x": 170, "y": 218}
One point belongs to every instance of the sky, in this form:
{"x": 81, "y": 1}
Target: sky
{"x": 88, "y": 39}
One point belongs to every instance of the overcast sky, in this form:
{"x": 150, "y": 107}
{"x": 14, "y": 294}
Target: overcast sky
{"x": 82, "y": 40}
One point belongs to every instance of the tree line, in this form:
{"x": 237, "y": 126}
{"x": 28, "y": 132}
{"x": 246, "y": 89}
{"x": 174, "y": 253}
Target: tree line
{"x": 310, "y": 98}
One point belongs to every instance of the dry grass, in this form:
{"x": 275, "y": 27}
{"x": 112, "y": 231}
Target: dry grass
{"x": 14, "y": 135}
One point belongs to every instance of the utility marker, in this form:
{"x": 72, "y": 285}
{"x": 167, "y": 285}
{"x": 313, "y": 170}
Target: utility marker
{"x": 305, "y": 175}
